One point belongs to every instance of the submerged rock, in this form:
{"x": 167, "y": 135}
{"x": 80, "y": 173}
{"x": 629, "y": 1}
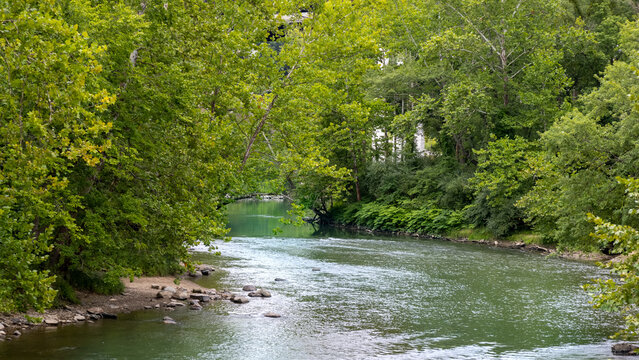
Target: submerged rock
{"x": 624, "y": 349}
{"x": 260, "y": 293}
{"x": 168, "y": 320}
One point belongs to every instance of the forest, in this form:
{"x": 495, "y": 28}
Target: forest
{"x": 126, "y": 126}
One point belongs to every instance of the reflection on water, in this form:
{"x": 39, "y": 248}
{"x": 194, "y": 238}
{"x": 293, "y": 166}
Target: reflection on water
{"x": 374, "y": 297}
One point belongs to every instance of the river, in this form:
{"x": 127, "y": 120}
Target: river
{"x": 373, "y": 297}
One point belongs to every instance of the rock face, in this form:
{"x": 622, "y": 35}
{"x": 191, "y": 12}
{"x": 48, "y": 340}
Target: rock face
{"x": 624, "y": 349}
{"x": 249, "y": 288}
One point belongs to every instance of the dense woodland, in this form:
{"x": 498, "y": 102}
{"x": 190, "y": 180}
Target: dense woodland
{"x": 126, "y": 126}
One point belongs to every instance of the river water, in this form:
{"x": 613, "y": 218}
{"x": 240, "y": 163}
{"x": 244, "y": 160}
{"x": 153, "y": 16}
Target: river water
{"x": 374, "y": 297}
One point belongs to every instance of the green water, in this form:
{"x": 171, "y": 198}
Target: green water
{"x": 374, "y": 297}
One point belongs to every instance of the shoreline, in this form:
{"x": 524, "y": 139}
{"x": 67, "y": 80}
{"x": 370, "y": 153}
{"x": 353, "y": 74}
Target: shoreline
{"x": 497, "y": 243}
{"x": 143, "y": 293}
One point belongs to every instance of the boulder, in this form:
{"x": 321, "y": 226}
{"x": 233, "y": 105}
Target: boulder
{"x": 271, "y": 314}
{"x": 206, "y": 272}
{"x": 1, "y": 326}
{"x": 79, "y": 318}
{"x": 169, "y": 289}
{"x": 17, "y": 333}
{"x": 163, "y": 294}
{"x": 197, "y": 273}
{"x": 315, "y": 269}
{"x": 260, "y": 293}
{"x": 180, "y": 295}
{"x": 211, "y": 291}
{"x": 624, "y": 349}
{"x": 195, "y": 307}
{"x": 201, "y": 297}
{"x": 95, "y": 310}
{"x": 249, "y": 288}
{"x": 3, "y": 333}
{"x": 148, "y": 307}
{"x": 197, "y": 291}
{"x": 157, "y": 306}
{"x": 51, "y": 321}
{"x": 238, "y": 299}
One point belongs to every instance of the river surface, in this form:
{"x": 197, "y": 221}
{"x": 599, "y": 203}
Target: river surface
{"x": 374, "y": 297}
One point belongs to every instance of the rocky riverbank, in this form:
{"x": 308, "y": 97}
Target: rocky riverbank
{"x": 148, "y": 293}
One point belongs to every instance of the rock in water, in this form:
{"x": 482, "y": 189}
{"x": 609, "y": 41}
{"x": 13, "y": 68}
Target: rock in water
{"x": 95, "y": 310}
{"x": 239, "y": 299}
{"x": 315, "y": 269}
{"x": 201, "y": 297}
{"x": 79, "y": 318}
{"x": 168, "y": 320}
{"x": 206, "y": 272}
{"x": 249, "y": 288}
{"x": 624, "y": 349}
{"x": 280, "y": 279}
{"x": 271, "y": 314}
{"x": 260, "y": 293}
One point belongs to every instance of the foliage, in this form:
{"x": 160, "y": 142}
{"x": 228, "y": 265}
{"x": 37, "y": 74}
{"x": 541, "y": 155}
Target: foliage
{"x": 620, "y": 294}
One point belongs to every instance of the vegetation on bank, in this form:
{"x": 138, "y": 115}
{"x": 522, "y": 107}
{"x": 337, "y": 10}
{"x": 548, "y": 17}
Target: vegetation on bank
{"x": 125, "y": 127}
